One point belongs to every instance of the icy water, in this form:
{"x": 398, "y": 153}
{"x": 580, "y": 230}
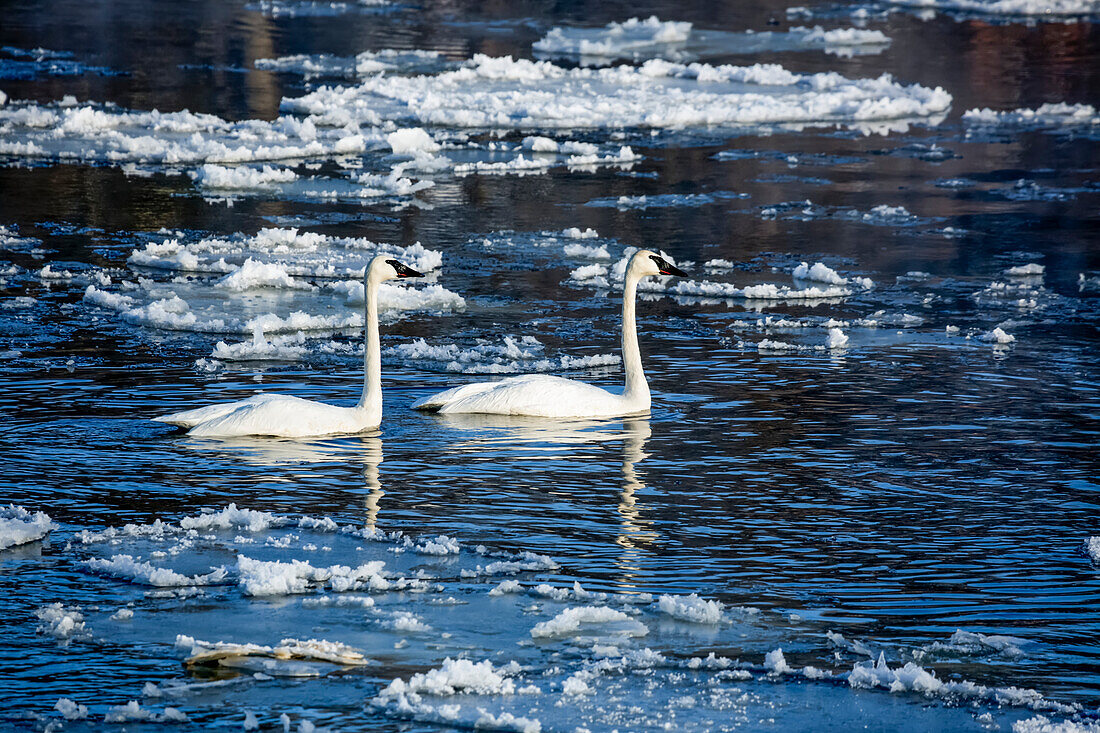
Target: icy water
{"x": 864, "y": 497}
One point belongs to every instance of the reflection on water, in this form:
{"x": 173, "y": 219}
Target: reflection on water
{"x": 636, "y": 533}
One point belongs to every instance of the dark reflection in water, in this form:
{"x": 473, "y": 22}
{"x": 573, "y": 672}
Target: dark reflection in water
{"x": 915, "y": 485}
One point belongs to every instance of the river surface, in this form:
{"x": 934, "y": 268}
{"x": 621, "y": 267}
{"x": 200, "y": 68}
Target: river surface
{"x": 906, "y": 514}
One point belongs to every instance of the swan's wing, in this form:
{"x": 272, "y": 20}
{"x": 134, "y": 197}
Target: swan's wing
{"x": 436, "y": 401}
{"x": 537, "y": 395}
{"x": 283, "y": 416}
{"x": 191, "y": 418}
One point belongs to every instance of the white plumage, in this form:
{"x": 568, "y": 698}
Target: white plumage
{"x": 293, "y": 417}
{"x": 540, "y": 395}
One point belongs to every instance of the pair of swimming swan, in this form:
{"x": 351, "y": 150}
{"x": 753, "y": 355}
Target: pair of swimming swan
{"x": 536, "y": 395}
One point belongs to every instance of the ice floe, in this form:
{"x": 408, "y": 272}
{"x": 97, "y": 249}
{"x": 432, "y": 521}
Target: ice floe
{"x": 18, "y": 526}
{"x": 220, "y": 652}
{"x": 260, "y": 290}
{"x": 604, "y": 277}
{"x": 529, "y": 95}
{"x": 913, "y": 678}
{"x": 601, "y": 620}
{"x": 59, "y": 622}
{"x": 133, "y": 712}
{"x": 71, "y": 710}
{"x": 1029, "y": 8}
{"x": 1051, "y": 116}
{"x": 362, "y": 64}
{"x": 691, "y": 608}
{"x": 106, "y": 133}
{"x": 298, "y": 253}
{"x": 822, "y": 273}
{"x": 512, "y": 355}
{"x": 638, "y": 40}
{"x": 128, "y": 568}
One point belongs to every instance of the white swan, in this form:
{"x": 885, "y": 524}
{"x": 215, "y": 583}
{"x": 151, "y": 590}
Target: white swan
{"x": 293, "y": 417}
{"x": 541, "y": 395}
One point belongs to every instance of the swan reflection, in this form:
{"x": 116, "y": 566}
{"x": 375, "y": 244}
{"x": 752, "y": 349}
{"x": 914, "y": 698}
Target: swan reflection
{"x": 635, "y": 533}
{"x": 559, "y": 440}
{"x": 364, "y": 450}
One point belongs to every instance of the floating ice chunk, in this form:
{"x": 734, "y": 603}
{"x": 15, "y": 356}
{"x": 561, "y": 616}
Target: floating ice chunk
{"x": 540, "y": 144}
{"x": 973, "y": 644}
{"x": 122, "y": 614}
{"x": 1047, "y": 116}
{"x": 71, "y": 710}
{"x": 818, "y": 273}
{"x": 254, "y": 274}
{"x": 1028, "y": 270}
{"x": 513, "y": 586}
{"x": 580, "y": 250}
{"x": 571, "y": 621}
{"x": 1042, "y": 724}
{"x": 441, "y": 545}
{"x": 998, "y": 336}
{"x": 407, "y": 621}
{"x": 719, "y": 264}
{"x": 132, "y": 711}
{"x": 411, "y": 140}
{"x": 455, "y": 676}
{"x": 367, "y": 62}
{"x": 508, "y": 722}
{"x": 260, "y": 348}
{"x": 204, "y": 652}
{"x": 837, "y": 38}
{"x": 60, "y": 623}
{"x": 836, "y": 339}
{"x": 233, "y": 518}
{"x": 770, "y": 345}
{"x": 613, "y": 40}
{"x": 505, "y": 93}
{"x": 271, "y": 578}
{"x": 242, "y": 178}
{"x": 19, "y": 526}
{"x": 691, "y": 608}
{"x": 523, "y": 562}
{"x": 776, "y": 663}
{"x": 250, "y": 721}
{"x": 1029, "y": 8}
{"x": 914, "y": 678}
{"x": 126, "y": 567}
{"x": 576, "y": 233}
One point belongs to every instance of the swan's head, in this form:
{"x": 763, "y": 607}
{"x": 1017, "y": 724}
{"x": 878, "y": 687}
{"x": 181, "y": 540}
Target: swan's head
{"x": 645, "y": 263}
{"x": 385, "y": 267}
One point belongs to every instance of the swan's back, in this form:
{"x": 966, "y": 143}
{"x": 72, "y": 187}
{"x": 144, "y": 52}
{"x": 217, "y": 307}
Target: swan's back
{"x": 537, "y": 395}
{"x": 281, "y": 416}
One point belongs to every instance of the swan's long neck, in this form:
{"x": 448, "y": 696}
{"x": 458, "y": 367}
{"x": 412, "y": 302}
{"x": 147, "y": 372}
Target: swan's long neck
{"x": 371, "y": 401}
{"x": 636, "y": 386}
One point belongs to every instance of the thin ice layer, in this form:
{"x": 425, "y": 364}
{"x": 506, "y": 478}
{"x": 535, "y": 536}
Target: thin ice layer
{"x": 639, "y": 40}
{"x": 519, "y": 94}
{"x": 1009, "y": 7}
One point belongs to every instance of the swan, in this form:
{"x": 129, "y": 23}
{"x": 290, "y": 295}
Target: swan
{"x": 292, "y": 417}
{"x": 542, "y": 395}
